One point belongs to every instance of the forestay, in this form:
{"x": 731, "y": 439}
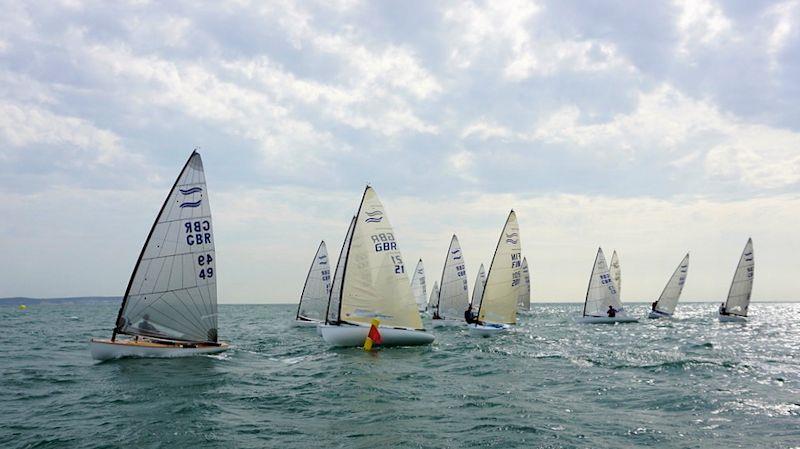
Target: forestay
{"x": 316, "y": 290}
{"x": 672, "y": 291}
{"x": 418, "y": 287}
{"x": 504, "y": 281}
{"x": 172, "y": 293}
{"x": 332, "y": 315}
{"x": 616, "y": 274}
{"x": 453, "y": 291}
{"x": 602, "y": 292}
{"x": 739, "y": 294}
{"x": 375, "y": 283}
{"x": 524, "y": 301}
{"x": 477, "y": 292}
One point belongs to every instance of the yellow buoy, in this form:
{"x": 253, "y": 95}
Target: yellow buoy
{"x": 22, "y": 307}
{"x": 373, "y": 336}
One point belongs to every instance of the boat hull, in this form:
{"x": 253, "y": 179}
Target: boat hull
{"x": 350, "y": 336}
{"x": 732, "y": 319}
{"x": 605, "y": 319}
{"x": 655, "y": 314}
{"x": 306, "y": 323}
{"x": 487, "y": 330}
{"x": 108, "y": 350}
{"x": 447, "y": 323}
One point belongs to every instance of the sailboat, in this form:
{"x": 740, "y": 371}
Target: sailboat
{"x": 453, "y": 293}
{"x": 735, "y": 307}
{"x": 434, "y": 299}
{"x": 498, "y": 306}
{"x": 170, "y": 305}
{"x": 374, "y": 285}
{"x": 524, "y": 300}
{"x": 418, "y": 287}
{"x": 666, "y": 303}
{"x": 316, "y": 290}
{"x": 601, "y": 294}
{"x": 616, "y": 274}
{"x": 334, "y": 293}
{"x": 477, "y": 291}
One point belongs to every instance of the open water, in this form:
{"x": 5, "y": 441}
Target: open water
{"x": 691, "y": 382}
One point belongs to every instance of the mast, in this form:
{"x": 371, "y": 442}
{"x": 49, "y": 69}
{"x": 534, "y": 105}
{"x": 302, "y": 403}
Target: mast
{"x": 141, "y": 253}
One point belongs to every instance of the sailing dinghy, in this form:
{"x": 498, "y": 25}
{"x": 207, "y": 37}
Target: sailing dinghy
{"x": 524, "y": 301}
{"x": 418, "y": 287}
{"x": 170, "y": 305}
{"x": 453, "y": 293}
{"x": 601, "y": 294}
{"x": 316, "y": 290}
{"x": 498, "y": 305}
{"x": 664, "y": 307}
{"x": 434, "y": 299}
{"x": 735, "y": 307}
{"x": 374, "y": 285}
{"x": 477, "y": 291}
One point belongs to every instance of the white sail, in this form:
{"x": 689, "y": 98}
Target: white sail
{"x": 524, "y": 301}
{"x": 453, "y": 290}
{"x": 477, "y": 292}
{"x": 419, "y": 288}
{"x": 602, "y": 292}
{"x": 434, "y": 299}
{"x": 672, "y": 291}
{"x": 504, "y": 280}
{"x": 375, "y": 283}
{"x": 316, "y": 290}
{"x": 616, "y": 274}
{"x": 739, "y": 294}
{"x": 332, "y": 315}
{"x": 172, "y": 292}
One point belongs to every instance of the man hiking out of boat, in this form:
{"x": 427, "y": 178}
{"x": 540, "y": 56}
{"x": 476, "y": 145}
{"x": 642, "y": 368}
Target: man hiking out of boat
{"x": 612, "y": 312}
{"x": 723, "y": 310}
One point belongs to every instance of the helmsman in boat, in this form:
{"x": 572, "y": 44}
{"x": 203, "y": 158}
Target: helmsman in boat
{"x": 612, "y": 312}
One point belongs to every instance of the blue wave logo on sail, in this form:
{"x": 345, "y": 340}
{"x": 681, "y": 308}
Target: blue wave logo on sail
{"x": 191, "y": 191}
{"x": 374, "y": 216}
{"x": 191, "y": 204}
{"x": 512, "y": 241}
{"x": 323, "y": 260}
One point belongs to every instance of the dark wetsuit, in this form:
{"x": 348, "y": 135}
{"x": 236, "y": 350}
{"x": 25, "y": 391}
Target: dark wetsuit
{"x": 611, "y": 312}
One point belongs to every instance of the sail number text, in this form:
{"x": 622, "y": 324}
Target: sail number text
{"x": 197, "y": 232}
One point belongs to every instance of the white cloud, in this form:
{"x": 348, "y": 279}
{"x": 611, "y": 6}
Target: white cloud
{"x": 786, "y": 19}
{"x": 700, "y": 22}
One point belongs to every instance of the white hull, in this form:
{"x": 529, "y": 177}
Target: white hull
{"x": 605, "y": 319}
{"x": 656, "y": 314}
{"x": 732, "y": 319}
{"x": 447, "y": 323}
{"x": 108, "y": 350}
{"x": 350, "y": 335}
{"x": 480, "y": 330}
{"x": 306, "y": 323}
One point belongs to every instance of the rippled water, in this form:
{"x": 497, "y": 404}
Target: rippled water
{"x": 690, "y": 382}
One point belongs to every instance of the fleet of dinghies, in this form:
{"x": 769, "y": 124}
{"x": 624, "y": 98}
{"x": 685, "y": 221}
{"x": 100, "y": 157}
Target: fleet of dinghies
{"x": 170, "y": 305}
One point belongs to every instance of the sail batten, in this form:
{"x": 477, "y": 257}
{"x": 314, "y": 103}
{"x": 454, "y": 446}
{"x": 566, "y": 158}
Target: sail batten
{"x": 668, "y": 300}
{"x": 172, "y": 291}
{"x": 453, "y": 288}
{"x": 504, "y": 280}
{"x": 316, "y": 289}
{"x": 742, "y": 284}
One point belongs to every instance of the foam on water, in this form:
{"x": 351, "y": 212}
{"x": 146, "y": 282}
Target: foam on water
{"x": 688, "y": 382}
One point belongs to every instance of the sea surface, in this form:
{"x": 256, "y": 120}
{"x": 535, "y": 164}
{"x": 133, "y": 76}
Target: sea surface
{"x": 691, "y": 382}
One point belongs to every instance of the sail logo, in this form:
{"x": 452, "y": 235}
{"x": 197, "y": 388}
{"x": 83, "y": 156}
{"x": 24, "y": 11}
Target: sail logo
{"x": 374, "y": 216}
{"x": 510, "y": 238}
{"x": 191, "y": 191}
{"x": 456, "y": 254}
{"x": 323, "y": 260}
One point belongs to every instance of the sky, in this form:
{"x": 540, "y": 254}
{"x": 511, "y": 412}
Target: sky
{"x": 650, "y": 128}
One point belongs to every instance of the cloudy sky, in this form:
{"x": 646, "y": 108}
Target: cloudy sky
{"x": 652, "y": 128}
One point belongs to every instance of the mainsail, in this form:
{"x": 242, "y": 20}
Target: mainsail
{"x": 332, "y": 314}
{"x": 316, "y": 290}
{"x": 504, "y": 281}
{"x": 742, "y": 285}
{"x": 375, "y": 283}
{"x": 672, "y": 291}
{"x": 453, "y": 293}
{"x": 524, "y": 300}
{"x": 477, "y": 291}
{"x": 418, "y": 287}
{"x": 601, "y": 292}
{"x": 172, "y": 293}
{"x": 434, "y": 299}
{"x": 616, "y": 273}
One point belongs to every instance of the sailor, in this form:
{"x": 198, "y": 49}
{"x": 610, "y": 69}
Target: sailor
{"x": 145, "y": 324}
{"x": 612, "y": 312}
{"x": 653, "y": 305}
{"x": 469, "y": 317}
{"x": 723, "y": 310}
